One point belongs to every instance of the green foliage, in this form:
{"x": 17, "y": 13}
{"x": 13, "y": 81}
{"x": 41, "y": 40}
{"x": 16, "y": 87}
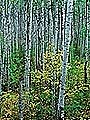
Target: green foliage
{"x": 16, "y": 68}
{"x": 9, "y": 106}
{"x": 38, "y": 104}
{"x": 77, "y": 97}
{"x": 42, "y": 86}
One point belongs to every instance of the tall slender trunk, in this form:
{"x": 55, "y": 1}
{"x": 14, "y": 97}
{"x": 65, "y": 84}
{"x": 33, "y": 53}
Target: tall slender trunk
{"x": 86, "y": 43}
{"x": 21, "y": 77}
{"x": 65, "y": 58}
{"x": 43, "y": 29}
{"x": 88, "y": 38}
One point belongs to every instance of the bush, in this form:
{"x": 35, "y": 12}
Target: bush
{"x": 77, "y": 97}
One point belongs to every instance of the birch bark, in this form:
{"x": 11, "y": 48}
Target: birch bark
{"x": 21, "y": 76}
{"x": 65, "y": 58}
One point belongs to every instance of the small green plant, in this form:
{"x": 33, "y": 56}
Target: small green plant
{"x": 38, "y": 104}
{"x": 77, "y": 96}
{"x": 44, "y": 83}
{"x": 16, "y": 67}
{"x": 9, "y": 106}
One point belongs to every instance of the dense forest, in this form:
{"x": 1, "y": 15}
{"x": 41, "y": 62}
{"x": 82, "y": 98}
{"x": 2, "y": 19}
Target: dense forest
{"x": 44, "y": 59}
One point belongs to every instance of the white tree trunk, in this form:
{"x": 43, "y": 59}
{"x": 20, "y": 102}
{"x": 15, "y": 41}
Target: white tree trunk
{"x": 87, "y": 40}
{"x": 65, "y": 58}
{"x": 43, "y": 34}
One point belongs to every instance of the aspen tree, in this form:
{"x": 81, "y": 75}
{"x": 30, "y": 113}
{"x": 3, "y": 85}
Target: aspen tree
{"x": 4, "y": 45}
{"x": 43, "y": 29}
{"x": 1, "y": 53}
{"x": 1, "y": 66}
{"x": 86, "y": 41}
{"x": 59, "y": 25}
{"x": 65, "y": 57}
{"x": 27, "y": 44}
{"x": 36, "y": 25}
{"x": 87, "y": 23}
{"x": 46, "y": 25}
{"x": 1, "y": 44}
{"x": 81, "y": 29}
{"x": 37, "y": 39}
{"x": 21, "y": 76}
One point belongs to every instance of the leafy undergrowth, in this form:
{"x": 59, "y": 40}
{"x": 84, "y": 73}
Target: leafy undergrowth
{"x": 38, "y": 103}
{"x": 9, "y": 106}
{"x": 77, "y": 97}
